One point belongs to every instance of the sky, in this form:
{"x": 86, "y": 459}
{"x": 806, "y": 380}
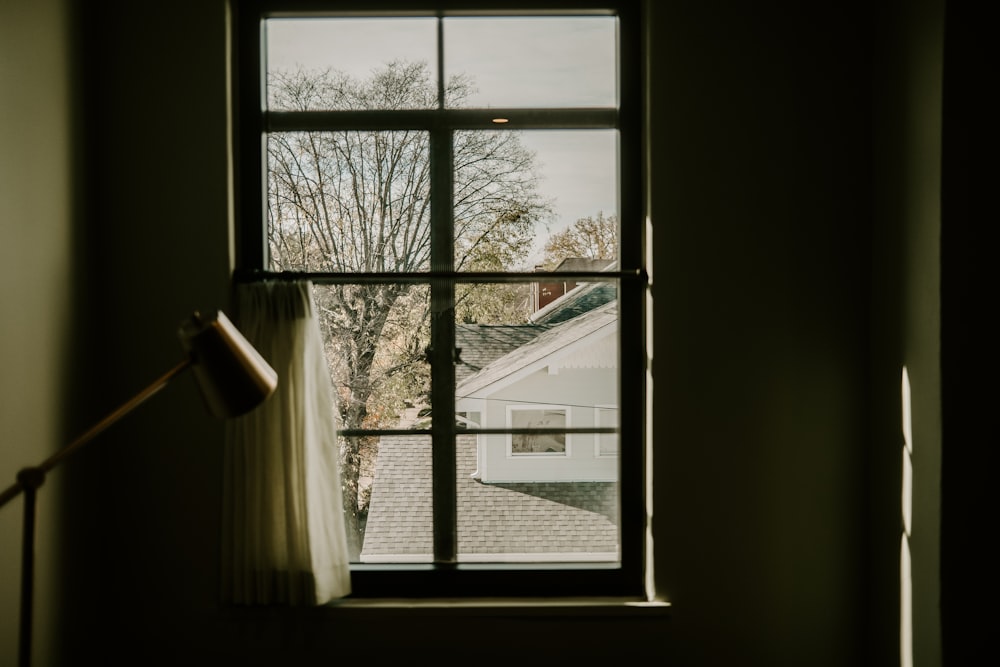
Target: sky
{"x": 543, "y": 62}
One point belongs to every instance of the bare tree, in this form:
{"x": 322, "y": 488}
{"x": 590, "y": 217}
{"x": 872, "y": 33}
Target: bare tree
{"x": 591, "y": 237}
{"x": 359, "y": 201}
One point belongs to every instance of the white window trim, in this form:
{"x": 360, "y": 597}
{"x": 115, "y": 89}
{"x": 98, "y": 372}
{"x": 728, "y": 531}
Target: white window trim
{"x": 521, "y": 407}
{"x": 597, "y": 436}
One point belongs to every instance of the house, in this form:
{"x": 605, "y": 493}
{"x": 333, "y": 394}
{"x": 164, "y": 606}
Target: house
{"x": 817, "y": 223}
{"x": 566, "y": 376}
{"x": 520, "y": 497}
{"x": 545, "y": 292}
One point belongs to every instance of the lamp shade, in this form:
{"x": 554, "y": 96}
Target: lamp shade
{"x": 231, "y": 374}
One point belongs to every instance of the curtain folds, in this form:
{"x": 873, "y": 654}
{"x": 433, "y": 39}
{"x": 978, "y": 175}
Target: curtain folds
{"x": 284, "y": 538}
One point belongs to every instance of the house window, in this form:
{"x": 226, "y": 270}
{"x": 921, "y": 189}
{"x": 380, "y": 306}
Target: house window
{"x": 464, "y": 190}
{"x": 538, "y": 430}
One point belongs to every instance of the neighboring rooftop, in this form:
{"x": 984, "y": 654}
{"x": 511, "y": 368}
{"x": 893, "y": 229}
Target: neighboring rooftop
{"x": 541, "y": 519}
{"x": 481, "y": 344}
{"x": 543, "y": 349}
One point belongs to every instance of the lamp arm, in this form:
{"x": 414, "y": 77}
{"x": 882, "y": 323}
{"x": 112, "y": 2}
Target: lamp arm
{"x": 48, "y": 464}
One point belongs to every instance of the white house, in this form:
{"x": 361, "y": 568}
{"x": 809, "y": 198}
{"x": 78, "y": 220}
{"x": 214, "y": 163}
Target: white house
{"x": 564, "y": 377}
{"x": 521, "y": 497}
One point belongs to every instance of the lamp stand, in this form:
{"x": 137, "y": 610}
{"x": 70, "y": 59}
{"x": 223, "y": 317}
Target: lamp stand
{"x": 233, "y": 379}
{"x": 28, "y": 482}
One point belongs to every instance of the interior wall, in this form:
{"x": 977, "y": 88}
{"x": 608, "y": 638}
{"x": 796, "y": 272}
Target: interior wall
{"x": 906, "y": 332}
{"x": 762, "y": 214}
{"x": 969, "y": 364}
{"x": 145, "y": 574}
{"x": 36, "y": 325}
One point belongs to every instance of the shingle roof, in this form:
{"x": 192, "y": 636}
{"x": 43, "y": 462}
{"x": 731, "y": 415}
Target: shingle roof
{"x": 523, "y": 518}
{"x": 541, "y": 349}
{"x": 481, "y": 344}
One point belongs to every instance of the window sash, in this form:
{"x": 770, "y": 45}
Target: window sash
{"x": 446, "y": 576}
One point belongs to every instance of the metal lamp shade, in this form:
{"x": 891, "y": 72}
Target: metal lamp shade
{"x": 231, "y": 374}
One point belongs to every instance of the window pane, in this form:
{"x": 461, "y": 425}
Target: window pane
{"x": 533, "y": 198}
{"x": 374, "y": 336}
{"x": 497, "y": 522}
{"x": 348, "y": 201}
{"x": 548, "y": 518}
{"x": 533, "y": 62}
{"x": 536, "y": 417}
{"x": 331, "y": 64}
{"x": 529, "y": 364}
{"x": 398, "y": 526}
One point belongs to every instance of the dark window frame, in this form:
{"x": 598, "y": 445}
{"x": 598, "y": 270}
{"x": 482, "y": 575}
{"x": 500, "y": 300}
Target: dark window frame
{"x": 446, "y": 578}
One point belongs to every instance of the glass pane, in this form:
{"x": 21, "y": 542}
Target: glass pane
{"x": 536, "y": 417}
{"x": 536, "y": 198}
{"x": 374, "y": 338}
{"x": 348, "y": 201}
{"x": 537, "y": 494}
{"x": 398, "y": 526}
{"x": 555, "y": 518}
{"x": 351, "y": 63}
{"x": 497, "y": 522}
{"x": 533, "y": 62}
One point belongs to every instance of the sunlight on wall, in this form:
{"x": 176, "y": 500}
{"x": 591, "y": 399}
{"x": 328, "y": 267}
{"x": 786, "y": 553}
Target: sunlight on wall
{"x": 651, "y": 593}
{"x": 905, "y": 574}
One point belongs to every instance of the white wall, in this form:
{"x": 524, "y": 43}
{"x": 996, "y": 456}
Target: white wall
{"x": 573, "y": 388}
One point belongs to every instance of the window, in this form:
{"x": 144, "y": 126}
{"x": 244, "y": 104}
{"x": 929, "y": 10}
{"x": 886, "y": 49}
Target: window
{"x": 539, "y": 430}
{"x": 463, "y": 188}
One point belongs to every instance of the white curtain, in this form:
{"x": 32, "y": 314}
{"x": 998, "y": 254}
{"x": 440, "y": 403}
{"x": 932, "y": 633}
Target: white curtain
{"x": 284, "y": 538}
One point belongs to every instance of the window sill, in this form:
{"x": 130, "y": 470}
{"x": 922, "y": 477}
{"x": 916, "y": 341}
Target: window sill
{"x": 494, "y": 607}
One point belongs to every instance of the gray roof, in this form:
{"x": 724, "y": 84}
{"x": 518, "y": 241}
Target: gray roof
{"x": 521, "y": 518}
{"x": 481, "y": 344}
{"x": 541, "y": 348}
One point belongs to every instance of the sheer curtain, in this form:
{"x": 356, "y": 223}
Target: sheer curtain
{"x": 284, "y": 538}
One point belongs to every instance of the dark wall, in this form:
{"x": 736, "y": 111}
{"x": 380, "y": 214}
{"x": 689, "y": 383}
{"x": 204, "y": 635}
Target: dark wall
{"x": 968, "y": 295}
{"x": 761, "y": 144}
{"x": 776, "y": 453}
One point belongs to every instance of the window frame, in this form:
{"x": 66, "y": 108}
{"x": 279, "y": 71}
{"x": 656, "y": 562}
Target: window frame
{"x": 251, "y": 123}
{"x": 565, "y": 454}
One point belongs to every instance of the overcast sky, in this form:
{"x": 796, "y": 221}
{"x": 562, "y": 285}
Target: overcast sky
{"x": 544, "y": 61}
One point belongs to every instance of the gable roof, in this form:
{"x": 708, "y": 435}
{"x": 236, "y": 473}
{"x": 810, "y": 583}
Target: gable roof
{"x": 554, "y": 343}
{"x": 481, "y": 344}
{"x": 540, "y": 520}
